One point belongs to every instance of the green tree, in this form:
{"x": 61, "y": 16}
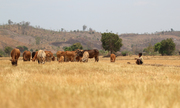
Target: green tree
{"x": 8, "y": 50}
{"x": 2, "y": 53}
{"x": 157, "y": 47}
{"x": 22, "y": 48}
{"x": 167, "y": 47}
{"x": 67, "y": 49}
{"x": 76, "y": 46}
{"x": 111, "y": 42}
{"x": 25, "y": 48}
{"x": 31, "y": 50}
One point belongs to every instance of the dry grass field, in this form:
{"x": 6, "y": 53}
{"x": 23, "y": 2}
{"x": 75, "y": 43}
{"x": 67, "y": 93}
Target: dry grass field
{"x": 156, "y": 84}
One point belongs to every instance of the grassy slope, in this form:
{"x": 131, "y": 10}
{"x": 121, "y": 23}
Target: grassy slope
{"x": 91, "y": 85}
{"x": 14, "y": 35}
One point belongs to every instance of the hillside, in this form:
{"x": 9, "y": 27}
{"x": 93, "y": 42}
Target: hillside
{"x": 38, "y": 38}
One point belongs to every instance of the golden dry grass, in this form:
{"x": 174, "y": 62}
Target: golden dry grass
{"x": 89, "y": 85}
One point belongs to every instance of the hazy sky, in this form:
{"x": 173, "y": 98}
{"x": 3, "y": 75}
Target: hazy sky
{"x": 122, "y": 16}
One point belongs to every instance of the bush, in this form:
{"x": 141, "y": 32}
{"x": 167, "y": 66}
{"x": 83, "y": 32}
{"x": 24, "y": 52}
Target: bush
{"x": 124, "y": 53}
{"x": 8, "y": 50}
{"x": 2, "y": 53}
{"x": 103, "y": 52}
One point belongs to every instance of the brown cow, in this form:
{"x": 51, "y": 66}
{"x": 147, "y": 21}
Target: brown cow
{"x": 61, "y": 59}
{"x": 26, "y": 55}
{"x": 78, "y": 58}
{"x": 112, "y": 58}
{"x": 35, "y": 56}
{"x": 59, "y": 54}
{"x": 15, "y": 53}
{"x": 49, "y": 56}
{"x": 70, "y": 56}
{"x": 92, "y": 54}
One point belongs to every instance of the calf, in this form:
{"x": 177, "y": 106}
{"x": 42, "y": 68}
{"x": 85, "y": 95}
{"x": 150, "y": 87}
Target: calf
{"x": 112, "y": 58}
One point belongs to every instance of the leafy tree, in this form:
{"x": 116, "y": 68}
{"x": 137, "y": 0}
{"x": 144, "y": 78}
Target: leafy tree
{"x": 157, "y": 46}
{"x": 67, "y": 49}
{"x": 8, "y": 50}
{"x": 20, "y": 48}
{"x": 36, "y": 50}
{"x": 25, "y": 48}
{"x": 84, "y": 27}
{"x": 73, "y": 47}
{"x": 76, "y": 46}
{"x": 2, "y": 53}
{"x": 31, "y": 50}
{"x": 111, "y": 42}
{"x": 167, "y": 47}
{"x": 10, "y": 22}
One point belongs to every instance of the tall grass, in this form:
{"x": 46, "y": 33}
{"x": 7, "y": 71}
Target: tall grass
{"x": 89, "y": 85}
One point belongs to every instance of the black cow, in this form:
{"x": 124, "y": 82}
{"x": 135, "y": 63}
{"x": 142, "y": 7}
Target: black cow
{"x": 33, "y": 54}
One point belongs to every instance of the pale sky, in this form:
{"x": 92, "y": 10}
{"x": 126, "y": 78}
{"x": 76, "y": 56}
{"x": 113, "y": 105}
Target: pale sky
{"x": 122, "y": 16}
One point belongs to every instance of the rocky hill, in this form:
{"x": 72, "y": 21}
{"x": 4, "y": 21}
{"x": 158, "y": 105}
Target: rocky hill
{"x": 38, "y": 38}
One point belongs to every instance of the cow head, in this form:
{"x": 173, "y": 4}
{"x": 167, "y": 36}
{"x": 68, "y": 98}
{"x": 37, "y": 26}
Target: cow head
{"x": 43, "y": 60}
{"x": 79, "y": 53}
{"x": 14, "y": 62}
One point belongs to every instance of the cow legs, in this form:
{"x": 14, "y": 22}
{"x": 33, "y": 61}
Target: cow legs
{"x": 96, "y": 58}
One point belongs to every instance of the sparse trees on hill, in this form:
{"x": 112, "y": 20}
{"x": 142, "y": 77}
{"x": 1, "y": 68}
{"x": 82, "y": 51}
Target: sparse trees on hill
{"x": 84, "y": 27}
{"x": 111, "y": 42}
{"x": 10, "y": 22}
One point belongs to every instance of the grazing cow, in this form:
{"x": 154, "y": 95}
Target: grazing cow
{"x": 59, "y": 54}
{"x": 53, "y": 59}
{"x": 85, "y": 56}
{"x": 112, "y": 57}
{"x": 78, "y": 58}
{"x": 61, "y": 59}
{"x": 35, "y": 56}
{"x": 92, "y": 54}
{"x": 70, "y": 56}
{"x": 15, "y": 53}
{"x": 41, "y": 56}
{"x": 49, "y": 56}
{"x": 26, "y": 56}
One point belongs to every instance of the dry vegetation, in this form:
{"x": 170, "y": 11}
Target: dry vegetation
{"x": 51, "y": 40}
{"x": 89, "y": 85}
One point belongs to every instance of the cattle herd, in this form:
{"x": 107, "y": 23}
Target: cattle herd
{"x": 62, "y": 56}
